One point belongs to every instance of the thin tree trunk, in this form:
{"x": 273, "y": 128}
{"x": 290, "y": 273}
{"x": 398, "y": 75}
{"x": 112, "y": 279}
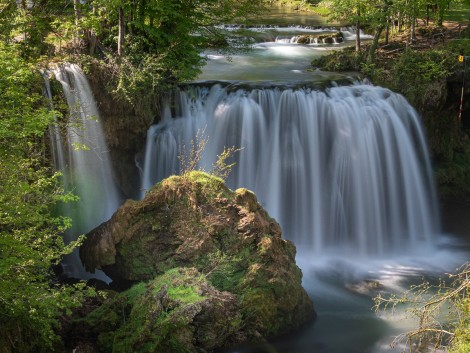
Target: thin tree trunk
{"x": 358, "y": 36}
{"x": 400, "y": 23}
{"x": 76, "y": 12}
{"x": 413, "y": 29}
{"x": 387, "y": 31}
{"x": 374, "y": 45}
{"x": 440, "y": 15}
{"x": 24, "y": 8}
{"x": 92, "y": 40}
{"x": 122, "y": 31}
{"x": 78, "y": 16}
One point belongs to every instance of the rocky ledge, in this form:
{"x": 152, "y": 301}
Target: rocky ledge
{"x": 325, "y": 38}
{"x": 208, "y": 266}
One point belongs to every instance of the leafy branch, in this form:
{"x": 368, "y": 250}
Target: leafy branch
{"x": 427, "y": 303}
{"x": 221, "y": 168}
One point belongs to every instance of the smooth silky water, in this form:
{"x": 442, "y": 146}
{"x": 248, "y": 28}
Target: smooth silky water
{"x": 344, "y": 169}
{"x": 274, "y": 56}
{"x": 82, "y": 156}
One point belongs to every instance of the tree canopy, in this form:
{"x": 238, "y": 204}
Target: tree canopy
{"x": 153, "y": 42}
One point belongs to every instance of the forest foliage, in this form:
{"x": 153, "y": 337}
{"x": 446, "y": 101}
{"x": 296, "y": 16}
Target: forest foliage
{"x": 30, "y": 235}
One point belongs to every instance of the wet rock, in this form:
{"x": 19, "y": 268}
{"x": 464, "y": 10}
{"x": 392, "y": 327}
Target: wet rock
{"x": 365, "y": 287}
{"x": 325, "y": 38}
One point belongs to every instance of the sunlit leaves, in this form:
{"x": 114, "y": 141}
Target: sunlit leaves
{"x": 30, "y": 235}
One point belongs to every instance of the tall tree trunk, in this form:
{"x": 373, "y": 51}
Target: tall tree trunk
{"x": 92, "y": 39}
{"x": 358, "y": 36}
{"x": 387, "y": 31}
{"x": 440, "y": 15}
{"x": 78, "y": 16}
{"x": 400, "y": 23}
{"x": 374, "y": 45}
{"x": 24, "y": 8}
{"x": 122, "y": 31}
{"x": 77, "y": 13}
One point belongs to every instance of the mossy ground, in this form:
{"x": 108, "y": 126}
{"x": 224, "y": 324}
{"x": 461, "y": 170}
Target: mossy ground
{"x": 150, "y": 316}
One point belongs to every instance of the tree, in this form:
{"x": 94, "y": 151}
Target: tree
{"x": 30, "y": 235}
{"x": 374, "y": 13}
{"x": 352, "y": 11}
{"x": 150, "y": 44}
{"x": 379, "y": 18}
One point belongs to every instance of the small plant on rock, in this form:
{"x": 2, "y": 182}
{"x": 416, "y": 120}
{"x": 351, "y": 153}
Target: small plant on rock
{"x": 190, "y": 159}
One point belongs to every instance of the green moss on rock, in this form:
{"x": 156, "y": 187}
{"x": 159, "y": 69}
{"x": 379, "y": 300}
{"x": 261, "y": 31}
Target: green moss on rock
{"x": 227, "y": 251}
{"x": 175, "y": 312}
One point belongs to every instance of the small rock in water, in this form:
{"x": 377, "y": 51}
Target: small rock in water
{"x": 365, "y": 287}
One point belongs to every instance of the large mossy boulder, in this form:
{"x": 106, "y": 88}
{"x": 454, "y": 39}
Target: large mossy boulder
{"x": 245, "y": 282}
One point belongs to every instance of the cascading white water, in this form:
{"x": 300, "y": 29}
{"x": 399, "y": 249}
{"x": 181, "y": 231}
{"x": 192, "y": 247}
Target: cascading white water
{"x": 343, "y": 168}
{"x": 85, "y": 164}
{"x": 54, "y": 131}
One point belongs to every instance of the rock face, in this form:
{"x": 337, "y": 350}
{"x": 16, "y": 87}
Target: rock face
{"x": 218, "y": 249}
{"x": 125, "y": 125}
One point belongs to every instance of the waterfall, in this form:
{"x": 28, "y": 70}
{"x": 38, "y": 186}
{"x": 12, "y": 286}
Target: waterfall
{"x": 349, "y": 33}
{"x": 54, "y": 131}
{"x": 82, "y": 155}
{"x": 345, "y": 168}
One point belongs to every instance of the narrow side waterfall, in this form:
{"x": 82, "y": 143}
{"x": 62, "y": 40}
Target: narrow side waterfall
{"x": 345, "y": 168}
{"x": 81, "y": 154}
{"x": 57, "y": 149}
